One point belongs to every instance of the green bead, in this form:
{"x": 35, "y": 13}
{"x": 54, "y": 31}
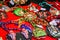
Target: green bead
{"x": 19, "y": 12}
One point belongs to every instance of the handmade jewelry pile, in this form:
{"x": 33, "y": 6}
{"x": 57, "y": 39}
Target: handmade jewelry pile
{"x": 32, "y": 20}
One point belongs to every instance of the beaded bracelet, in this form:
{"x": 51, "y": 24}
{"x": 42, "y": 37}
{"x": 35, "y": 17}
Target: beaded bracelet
{"x": 3, "y": 25}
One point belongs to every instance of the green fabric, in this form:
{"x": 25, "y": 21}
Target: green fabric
{"x": 18, "y": 10}
{"x": 39, "y": 32}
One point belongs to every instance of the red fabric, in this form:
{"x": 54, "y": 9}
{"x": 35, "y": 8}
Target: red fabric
{"x": 11, "y": 16}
